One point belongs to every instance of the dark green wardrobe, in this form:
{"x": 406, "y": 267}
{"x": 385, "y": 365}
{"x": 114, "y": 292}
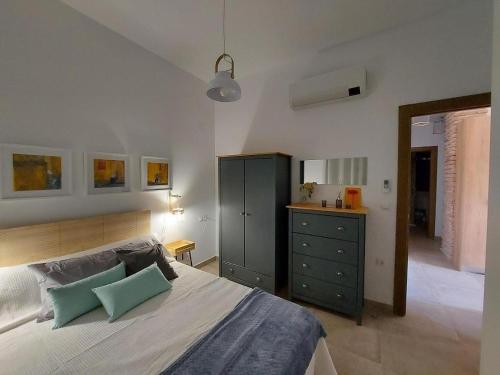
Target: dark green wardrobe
{"x": 253, "y": 193}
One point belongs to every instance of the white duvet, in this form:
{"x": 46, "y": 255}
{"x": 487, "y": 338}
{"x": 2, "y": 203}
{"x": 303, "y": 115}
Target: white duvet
{"x": 146, "y": 340}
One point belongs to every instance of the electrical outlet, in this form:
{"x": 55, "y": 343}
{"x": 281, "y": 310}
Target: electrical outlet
{"x": 379, "y": 262}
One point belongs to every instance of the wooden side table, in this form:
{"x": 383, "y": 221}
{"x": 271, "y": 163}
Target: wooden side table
{"x": 180, "y": 247}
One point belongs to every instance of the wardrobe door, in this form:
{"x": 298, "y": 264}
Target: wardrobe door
{"x": 259, "y": 215}
{"x": 232, "y": 209}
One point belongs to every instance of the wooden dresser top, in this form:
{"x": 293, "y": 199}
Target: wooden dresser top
{"x": 317, "y": 207}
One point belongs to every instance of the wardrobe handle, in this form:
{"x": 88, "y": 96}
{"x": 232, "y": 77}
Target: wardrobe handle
{"x": 258, "y": 279}
{"x": 340, "y": 274}
{"x": 247, "y": 214}
{"x": 242, "y": 213}
{"x": 304, "y": 223}
{"x": 305, "y": 265}
{"x": 339, "y": 295}
{"x": 340, "y": 251}
{"x": 305, "y": 286}
{"x": 341, "y": 228}
{"x": 305, "y": 244}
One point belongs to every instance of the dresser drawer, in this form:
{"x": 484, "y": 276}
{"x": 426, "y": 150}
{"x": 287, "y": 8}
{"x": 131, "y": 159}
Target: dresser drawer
{"x": 342, "y": 228}
{"x": 247, "y": 277}
{"x": 332, "y": 272}
{"x": 325, "y": 248}
{"x": 326, "y": 294}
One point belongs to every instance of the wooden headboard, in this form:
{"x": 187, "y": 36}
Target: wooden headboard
{"x": 42, "y": 241}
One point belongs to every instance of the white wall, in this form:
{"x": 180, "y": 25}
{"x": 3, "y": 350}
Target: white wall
{"x": 490, "y": 342}
{"x": 424, "y": 136}
{"x": 67, "y": 82}
{"x": 440, "y": 57}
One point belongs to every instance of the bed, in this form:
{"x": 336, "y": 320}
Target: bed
{"x": 146, "y": 340}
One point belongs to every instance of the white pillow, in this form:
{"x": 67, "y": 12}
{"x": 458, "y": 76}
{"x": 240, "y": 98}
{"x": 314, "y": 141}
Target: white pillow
{"x": 19, "y": 296}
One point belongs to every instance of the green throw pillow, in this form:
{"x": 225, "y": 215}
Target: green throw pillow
{"x": 75, "y": 299}
{"x": 124, "y": 295}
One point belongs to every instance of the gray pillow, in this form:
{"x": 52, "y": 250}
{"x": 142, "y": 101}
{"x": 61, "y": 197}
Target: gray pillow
{"x": 137, "y": 260}
{"x": 62, "y": 272}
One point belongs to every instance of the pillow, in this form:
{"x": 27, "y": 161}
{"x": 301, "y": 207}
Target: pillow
{"x": 75, "y": 299}
{"x": 62, "y": 272}
{"x": 124, "y": 295}
{"x": 19, "y": 296}
{"x": 140, "y": 259}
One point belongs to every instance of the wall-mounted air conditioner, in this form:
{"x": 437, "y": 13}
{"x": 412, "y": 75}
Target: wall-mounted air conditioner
{"x": 329, "y": 87}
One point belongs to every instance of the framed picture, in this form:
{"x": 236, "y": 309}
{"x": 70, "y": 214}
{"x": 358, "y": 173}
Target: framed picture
{"x": 155, "y": 173}
{"x": 31, "y": 171}
{"x": 107, "y": 173}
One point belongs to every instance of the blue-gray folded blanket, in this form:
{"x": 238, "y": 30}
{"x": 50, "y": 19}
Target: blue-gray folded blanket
{"x": 264, "y": 334}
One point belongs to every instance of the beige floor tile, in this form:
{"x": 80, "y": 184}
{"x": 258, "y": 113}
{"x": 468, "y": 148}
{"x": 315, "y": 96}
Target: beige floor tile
{"x": 348, "y": 363}
{"x": 406, "y": 355}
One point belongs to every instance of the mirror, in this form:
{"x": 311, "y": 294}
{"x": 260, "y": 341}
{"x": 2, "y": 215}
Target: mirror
{"x": 347, "y": 171}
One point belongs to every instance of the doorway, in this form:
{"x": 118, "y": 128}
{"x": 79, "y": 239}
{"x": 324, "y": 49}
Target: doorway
{"x": 406, "y": 113}
{"x": 423, "y": 189}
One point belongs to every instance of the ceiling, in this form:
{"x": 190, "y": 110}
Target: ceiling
{"x": 260, "y": 33}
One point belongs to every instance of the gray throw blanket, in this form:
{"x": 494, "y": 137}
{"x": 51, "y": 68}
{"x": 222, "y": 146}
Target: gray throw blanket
{"x": 264, "y": 334}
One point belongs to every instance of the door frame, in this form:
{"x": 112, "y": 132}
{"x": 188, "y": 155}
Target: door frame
{"x": 406, "y": 112}
{"x": 431, "y": 207}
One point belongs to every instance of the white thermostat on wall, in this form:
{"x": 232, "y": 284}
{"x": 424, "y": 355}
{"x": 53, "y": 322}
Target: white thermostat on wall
{"x": 386, "y": 188}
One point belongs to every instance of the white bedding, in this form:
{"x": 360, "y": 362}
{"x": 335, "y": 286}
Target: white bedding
{"x": 146, "y": 340}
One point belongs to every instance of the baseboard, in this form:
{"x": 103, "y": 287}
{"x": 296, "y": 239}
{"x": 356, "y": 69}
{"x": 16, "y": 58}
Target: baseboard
{"x": 205, "y": 262}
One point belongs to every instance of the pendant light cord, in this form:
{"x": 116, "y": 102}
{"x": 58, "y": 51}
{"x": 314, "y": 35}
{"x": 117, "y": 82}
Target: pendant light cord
{"x": 224, "y": 25}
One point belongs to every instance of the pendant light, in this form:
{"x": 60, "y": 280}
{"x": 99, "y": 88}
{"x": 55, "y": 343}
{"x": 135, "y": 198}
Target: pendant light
{"x": 223, "y": 88}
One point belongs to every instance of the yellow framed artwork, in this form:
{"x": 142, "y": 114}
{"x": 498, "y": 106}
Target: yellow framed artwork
{"x": 155, "y": 173}
{"x": 107, "y": 173}
{"x": 32, "y": 171}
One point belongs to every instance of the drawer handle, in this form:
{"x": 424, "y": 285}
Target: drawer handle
{"x": 341, "y": 228}
{"x": 304, "y": 223}
{"x": 339, "y": 296}
{"x": 340, "y": 251}
{"x": 258, "y": 279}
{"x": 340, "y": 274}
{"x": 305, "y": 244}
{"x": 242, "y": 213}
{"x": 305, "y": 265}
{"x": 231, "y": 270}
{"x": 305, "y": 286}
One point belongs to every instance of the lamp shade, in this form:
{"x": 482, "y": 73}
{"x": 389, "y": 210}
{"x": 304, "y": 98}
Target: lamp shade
{"x": 223, "y": 88}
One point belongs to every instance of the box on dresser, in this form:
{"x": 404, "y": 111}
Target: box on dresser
{"x": 326, "y": 257}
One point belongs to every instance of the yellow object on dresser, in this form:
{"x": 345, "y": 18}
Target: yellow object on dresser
{"x": 180, "y": 247}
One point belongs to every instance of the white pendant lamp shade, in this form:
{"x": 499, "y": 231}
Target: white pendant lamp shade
{"x": 223, "y": 88}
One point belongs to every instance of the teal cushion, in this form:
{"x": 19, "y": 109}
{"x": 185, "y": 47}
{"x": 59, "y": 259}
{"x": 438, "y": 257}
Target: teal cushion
{"x": 124, "y": 295}
{"x": 75, "y": 299}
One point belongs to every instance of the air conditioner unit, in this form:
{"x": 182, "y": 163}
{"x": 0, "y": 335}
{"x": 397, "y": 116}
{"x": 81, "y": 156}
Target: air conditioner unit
{"x": 329, "y": 87}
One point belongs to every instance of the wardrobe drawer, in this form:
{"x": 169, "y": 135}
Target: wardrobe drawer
{"x": 332, "y": 272}
{"x": 326, "y": 294}
{"x": 325, "y": 248}
{"x": 342, "y": 228}
{"x": 250, "y": 278}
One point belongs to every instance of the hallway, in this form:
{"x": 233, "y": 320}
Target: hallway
{"x": 454, "y": 299}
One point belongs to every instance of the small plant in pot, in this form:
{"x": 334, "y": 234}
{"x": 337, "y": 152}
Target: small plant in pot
{"x": 307, "y": 190}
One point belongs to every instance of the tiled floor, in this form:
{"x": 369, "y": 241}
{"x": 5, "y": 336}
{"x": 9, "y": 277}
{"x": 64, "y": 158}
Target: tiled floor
{"x": 438, "y": 336}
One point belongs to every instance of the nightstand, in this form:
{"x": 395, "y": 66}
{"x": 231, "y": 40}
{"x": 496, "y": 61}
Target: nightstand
{"x": 180, "y": 247}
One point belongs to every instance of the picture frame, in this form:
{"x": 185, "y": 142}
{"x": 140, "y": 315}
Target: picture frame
{"x": 156, "y": 173}
{"x": 34, "y": 171}
{"x": 107, "y": 173}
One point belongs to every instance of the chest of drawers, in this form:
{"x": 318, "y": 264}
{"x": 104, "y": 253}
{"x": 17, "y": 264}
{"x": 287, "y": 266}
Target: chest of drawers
{"x": 326, "y": 257}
